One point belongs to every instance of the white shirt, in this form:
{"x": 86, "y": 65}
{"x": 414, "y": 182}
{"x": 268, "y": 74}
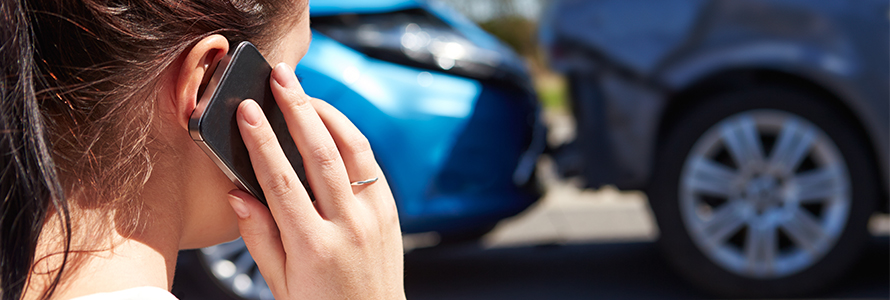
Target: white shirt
{"x": 139, "y": 293}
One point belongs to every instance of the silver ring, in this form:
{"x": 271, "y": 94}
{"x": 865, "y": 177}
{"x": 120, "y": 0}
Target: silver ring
{"x": 364, "y": 182}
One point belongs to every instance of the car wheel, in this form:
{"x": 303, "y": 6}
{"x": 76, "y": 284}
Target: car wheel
{"x": 224, "y": 271}
{"x": 763, "y": 192}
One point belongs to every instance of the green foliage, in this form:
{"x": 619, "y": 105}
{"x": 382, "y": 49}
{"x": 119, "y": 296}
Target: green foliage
{"x": 552, "y": 91}
{"x": 520, "y": 34}
{"x": 516, "y": 31}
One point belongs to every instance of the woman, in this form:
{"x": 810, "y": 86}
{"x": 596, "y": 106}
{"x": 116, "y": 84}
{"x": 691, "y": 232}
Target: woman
{"x": 103, "y": 185}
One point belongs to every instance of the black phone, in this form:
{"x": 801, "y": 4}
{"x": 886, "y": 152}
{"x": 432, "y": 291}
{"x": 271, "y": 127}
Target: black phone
{"x": 242, "y": 74}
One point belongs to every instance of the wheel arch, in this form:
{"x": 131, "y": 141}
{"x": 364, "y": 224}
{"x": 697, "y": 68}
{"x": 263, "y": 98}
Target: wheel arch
{"x": 728, "y": 80}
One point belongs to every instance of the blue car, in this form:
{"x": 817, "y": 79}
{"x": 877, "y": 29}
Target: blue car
{"x": 448, "y": 109}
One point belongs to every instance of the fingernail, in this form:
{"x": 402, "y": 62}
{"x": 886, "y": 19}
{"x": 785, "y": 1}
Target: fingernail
{"x": 284, "y": 75}
{"x": 239, "y": 207}
{"x": 251, "y": 113}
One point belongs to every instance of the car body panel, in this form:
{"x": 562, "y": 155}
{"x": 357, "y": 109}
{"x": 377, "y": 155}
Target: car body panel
{"x": 507, "y": 60}
{"x": 450, "y": 145}
{"x": 335, "y": 7}
{"x": 840, "y": 46}
{"x": 405, "y": 120}
{"x": 636, "y": 34}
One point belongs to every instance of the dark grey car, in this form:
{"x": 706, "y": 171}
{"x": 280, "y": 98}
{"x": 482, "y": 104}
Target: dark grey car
{"x": 759, "y": 129}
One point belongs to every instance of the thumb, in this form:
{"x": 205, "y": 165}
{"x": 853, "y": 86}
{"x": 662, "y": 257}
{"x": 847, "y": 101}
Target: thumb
{"x": 260, "y": 233}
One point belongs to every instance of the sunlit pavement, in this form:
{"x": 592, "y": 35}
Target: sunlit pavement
{"x": 568, "y": 215}
{"x": 576, "y": 244}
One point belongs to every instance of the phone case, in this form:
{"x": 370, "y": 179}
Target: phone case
{"x": 242, "y": 74}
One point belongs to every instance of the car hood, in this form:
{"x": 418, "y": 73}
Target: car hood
{"x": 320, "y": 8}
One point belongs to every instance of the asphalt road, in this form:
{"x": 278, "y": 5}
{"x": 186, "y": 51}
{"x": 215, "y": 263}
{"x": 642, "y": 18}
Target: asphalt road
{"x": 591, "y": 271}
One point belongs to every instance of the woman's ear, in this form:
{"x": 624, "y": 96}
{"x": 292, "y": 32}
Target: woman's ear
{"x": 197, "y": 68}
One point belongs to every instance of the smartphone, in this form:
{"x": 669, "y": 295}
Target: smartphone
{"x": 242, "y": 74}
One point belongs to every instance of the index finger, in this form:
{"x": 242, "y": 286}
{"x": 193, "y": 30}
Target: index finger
{"x": 285, "y": 194}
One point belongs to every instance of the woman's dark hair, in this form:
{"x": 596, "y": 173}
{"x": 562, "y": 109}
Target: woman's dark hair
{"x": 28, "y": 183}
{"x": 78, "y": 90}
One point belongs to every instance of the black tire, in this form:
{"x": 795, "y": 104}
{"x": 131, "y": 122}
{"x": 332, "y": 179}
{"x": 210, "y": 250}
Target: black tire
{"x": 678, "y": 245}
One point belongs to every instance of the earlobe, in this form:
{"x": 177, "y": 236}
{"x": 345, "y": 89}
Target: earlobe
{"x": 197, "y": 68}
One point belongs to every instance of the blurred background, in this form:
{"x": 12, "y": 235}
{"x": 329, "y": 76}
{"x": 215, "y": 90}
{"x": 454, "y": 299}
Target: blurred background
{"x": 626, "y": 149}
{"x": 515, "y": 22}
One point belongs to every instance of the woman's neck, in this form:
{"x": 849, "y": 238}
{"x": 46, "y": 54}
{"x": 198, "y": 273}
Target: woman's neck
{"x": 112, "y": 261}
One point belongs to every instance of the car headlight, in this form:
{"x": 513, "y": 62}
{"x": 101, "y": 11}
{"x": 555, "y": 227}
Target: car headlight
{"x": 411, "y": 37}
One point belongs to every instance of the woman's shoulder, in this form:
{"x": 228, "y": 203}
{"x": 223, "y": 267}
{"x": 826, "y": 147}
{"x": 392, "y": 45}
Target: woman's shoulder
{"x": 139, "y": 293}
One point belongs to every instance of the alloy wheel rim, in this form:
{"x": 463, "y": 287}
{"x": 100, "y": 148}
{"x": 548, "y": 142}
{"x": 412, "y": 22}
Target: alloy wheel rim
{"x": 233, "y": 267}
{"x": 765, "y": 194}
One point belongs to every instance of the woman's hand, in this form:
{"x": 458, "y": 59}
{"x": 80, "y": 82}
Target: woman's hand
{"x": 345, "y": 245}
